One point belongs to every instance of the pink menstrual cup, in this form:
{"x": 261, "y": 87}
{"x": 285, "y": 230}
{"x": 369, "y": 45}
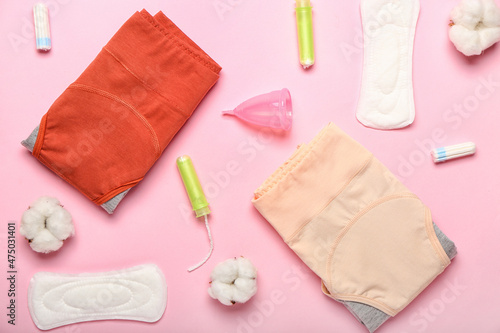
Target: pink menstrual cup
{"x": 273, "y": 109}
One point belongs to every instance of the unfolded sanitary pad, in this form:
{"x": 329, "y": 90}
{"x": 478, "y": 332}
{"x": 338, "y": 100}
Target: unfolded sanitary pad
{"x": 386, "y": 100}
{"x": 137, "y": 293}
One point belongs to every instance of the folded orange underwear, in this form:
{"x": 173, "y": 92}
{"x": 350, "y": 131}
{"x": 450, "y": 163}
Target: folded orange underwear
{"x": 109, "y": 127}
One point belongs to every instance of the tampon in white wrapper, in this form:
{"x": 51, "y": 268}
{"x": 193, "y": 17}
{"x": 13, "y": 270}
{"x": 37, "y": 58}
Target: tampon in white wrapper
{"x": 42, "y": 27}
{"x": 451, "y": 152}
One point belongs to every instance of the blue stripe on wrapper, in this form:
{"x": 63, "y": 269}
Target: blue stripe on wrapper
{"x": 43, "y": 43}
{"x": 441, "y": 154}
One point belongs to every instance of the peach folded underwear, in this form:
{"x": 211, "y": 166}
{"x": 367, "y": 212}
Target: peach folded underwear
{"x": 109, "y": 127}
{"x": 371, "y": 241}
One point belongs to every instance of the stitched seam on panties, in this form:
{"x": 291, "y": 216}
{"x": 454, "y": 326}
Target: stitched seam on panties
{"x": 179, "y": 109}
{"x": 353, "y": 221}
{"x": 287, "y": 167}
{"x": 347, "y": 183}
{"x": 54, "y": 169}
{"x": 425, "y": 285}
{"x": 130, "y": 107}
{"x": 360, "y": 299}
{"x": 365, "y": 300}
{"x": 281, "y": 172}
{"x": 431, "y": 235}
{"x": 445, "y": 260}
{"x": 37, "y": 148}
{"x": 111, "y": 194}
{"x": 173, "y": 38}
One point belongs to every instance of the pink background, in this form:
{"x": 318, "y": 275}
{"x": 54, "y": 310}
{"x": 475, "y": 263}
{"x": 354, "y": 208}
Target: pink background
{"x": 255, "y": 43}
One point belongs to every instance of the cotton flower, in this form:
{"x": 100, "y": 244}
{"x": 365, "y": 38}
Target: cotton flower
{"x": 475, "y": 26}
{"x": 233, "y": 281}
{"x": 46, "y": 224}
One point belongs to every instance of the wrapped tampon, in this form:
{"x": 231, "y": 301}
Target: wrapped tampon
{"x": 42, "y": 27}
{"x": 451, "y": 152}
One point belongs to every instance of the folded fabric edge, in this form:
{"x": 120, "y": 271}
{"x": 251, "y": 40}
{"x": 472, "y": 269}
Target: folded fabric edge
{"x": 168, "y": 28}
{"x": 29, "y": 143}
{"x": 109, "y": 206}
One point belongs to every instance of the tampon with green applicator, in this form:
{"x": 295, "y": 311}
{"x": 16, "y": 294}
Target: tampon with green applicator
{"x": 303, "y": 16}
{"x": 196, "y": 197}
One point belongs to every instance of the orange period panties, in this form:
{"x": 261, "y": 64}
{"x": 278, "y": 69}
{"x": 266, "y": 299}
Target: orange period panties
{"x": 109, "y": 127}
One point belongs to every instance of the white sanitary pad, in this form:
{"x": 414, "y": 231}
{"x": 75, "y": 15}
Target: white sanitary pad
{"x": 386, "y": 100}
{"x": 137, "y": 293}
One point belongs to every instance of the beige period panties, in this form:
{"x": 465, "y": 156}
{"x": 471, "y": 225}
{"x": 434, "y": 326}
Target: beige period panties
{"x": 371, "y": 241}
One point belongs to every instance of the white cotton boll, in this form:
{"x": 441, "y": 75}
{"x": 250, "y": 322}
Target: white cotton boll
{"x": 45, "y": 242}
{"x": 245, "y": 289}
{"x": 226, "y": 271}
{"x": 233, "y": 281}
{"x": 241, "y": 296}
{"x": 245, "y": 284}
{"x": 466, "y": 41}
{"x": 222, "y": 291}
{"x": 60, "y": 223}
{"x": 32, "y": 223}
{"x": 489, "y": 36}
{"x": 468, "y": 13}
{"x": 45, "y": 205}
{"x": 46, "y": 224}
{"x": 246, "y": 268}
{"x": 474, "y": 26}
{"x": 491, "y": 17}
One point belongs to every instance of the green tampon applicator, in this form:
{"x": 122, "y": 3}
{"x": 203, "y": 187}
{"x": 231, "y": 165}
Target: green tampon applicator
{"x": 196, "y": 197}
{"x": 303, "y": 16}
